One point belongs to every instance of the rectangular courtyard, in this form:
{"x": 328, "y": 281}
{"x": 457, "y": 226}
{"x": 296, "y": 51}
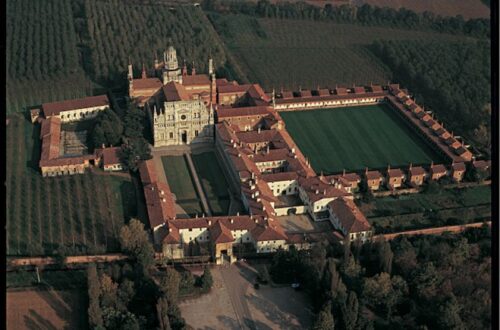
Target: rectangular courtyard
{"x": 353, "y": 138}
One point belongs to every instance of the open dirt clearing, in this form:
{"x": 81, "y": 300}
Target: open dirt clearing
{"x": 48, "y": 309}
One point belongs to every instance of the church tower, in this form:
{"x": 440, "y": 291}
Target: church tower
{"x": 171, "y": 69}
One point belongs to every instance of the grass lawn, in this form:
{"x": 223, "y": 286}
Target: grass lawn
{"x": 291, "y": 53}
{"x": 181, "y": 183}
{"x": 213, "y": 182}
{"x": 81, "y": 212}
{"x": 354, "y": 138}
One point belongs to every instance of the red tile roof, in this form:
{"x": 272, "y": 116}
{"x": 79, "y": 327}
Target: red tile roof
{"x": 147, "y": 172}
{"x": 196, "y": 80}
{"x": 54, "y": 108}
{"x": 223, "y": 113}
{"x": 281, "y": 176}
{"x": 220, "y": 234}
{"x": 373, "y": 175}
{"x": 173, "y": 91}
{"x": 160, "y": 203}
{"x": 230, "y": 88}
{"x": 146, "y": 83}
{"x": 458, "y": 166}
{"x": 110, "y": 156}
{"x": 438, "y": 169}
{"x": 349, "y": 215}
{"x": 417, "y": 171}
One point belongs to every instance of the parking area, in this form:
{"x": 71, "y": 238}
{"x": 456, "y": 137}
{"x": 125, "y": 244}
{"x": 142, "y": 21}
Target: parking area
{"x": 234, "y": 303}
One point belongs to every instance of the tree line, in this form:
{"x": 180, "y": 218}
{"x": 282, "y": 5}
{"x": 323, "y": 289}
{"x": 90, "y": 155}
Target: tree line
{"x": 364, "y": 15}
{"x": 424, "y": 282}
{"x": 452, "y": 79}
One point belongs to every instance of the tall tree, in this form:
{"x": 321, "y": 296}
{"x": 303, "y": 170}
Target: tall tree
{"x": 94, "y": 310}
{"x": 385, "y": 256}
{"x": 135, "y": 241}
{"x": 162, "y": 312}
{"x": 324, "y": 320}
{"x": 350, "y": 311}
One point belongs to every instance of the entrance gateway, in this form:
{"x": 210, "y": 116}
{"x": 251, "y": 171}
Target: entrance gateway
{"x": 184, "y": 136}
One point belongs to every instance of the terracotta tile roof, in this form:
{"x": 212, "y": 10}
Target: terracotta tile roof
{"x": 373, "y": 175}
{"x": 256, "y": 92}
{"x": 349, "y": 215}
{"x": 267, "y": 233}
{"x": 438, "y": 169}
{"x": 481, "y": 164}
{"x": 172, "y": 236}
{"x": 417, "y": 171}
{"x": 55, "y": 108}
{"x": 271, "y": 155}
{"x": 230, "y": 88}
{"x": 50, "y": 133}
{"x": 220, "y": 234}
{"x": 329, "y": 98}
{"x": 223, "y": 113}
{"x": 359, "y": 90}
{"x": 395, "y": 173}
{"x": 458, "y": 166}
{"x": 324, "y": 92}
{"x": 305, "y": 93}
{"x": 160, "y": 203}
{"x": 147, "y": 172}
{"x": 375, "y": 88}
{"x": 110, "y": 156}
{"x": 146, "y": 83}
{"x": 256, "y": 136}
{"x": 173, "y": 91}
{"x": 287, "y": 95}
{"x": 420, "y": 114}
{"x": 65, "y": 161}
{"x": 197, "y": 79}
{"x": 222, "y": 82}
{"x": 281, "y": 176}
{"x": 316, "y": 189}
{"x": 341, "y": 91}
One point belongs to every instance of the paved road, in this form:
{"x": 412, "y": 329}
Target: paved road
{"x": 237, "y": 279}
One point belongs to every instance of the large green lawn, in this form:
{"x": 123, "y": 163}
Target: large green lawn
{"x": 353, "y": 138}
{"x": 181, "y": 184}
{"x": 214, "y": 183}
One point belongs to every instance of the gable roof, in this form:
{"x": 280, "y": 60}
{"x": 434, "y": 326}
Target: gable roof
{"x": 349, "y": 215}
{"x": 55, "y": 108}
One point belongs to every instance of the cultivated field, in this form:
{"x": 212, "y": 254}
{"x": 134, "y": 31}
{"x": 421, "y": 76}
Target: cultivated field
{"x": 47, "y": 309}
{"x": 214, "y": 183}
{"x": 354, "y": 138}
{"x": 292, "y": 53}
{"x": 181, "y": 184}
{"x": 82, "y": 212}
{"x": 414, "y": 211}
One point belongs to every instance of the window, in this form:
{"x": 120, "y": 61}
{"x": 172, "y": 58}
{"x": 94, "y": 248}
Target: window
{"x": 183, "y": 117}
{"x": 190, "y": 229}
{"x": 195, "y": 133}
{"x": 171, "y": 135}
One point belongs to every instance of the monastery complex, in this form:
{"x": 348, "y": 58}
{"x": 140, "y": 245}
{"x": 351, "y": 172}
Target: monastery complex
{"x": 274, "y": 178}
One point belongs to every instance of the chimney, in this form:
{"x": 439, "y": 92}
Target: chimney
{"x": 163, "y": 200}
{"x": 317, "y": 191}
{"x": 193, "y": 70}
{"x": 209, "y": 222}
{"x": 238, "y": 213}
{"x": 103, "y": 146}
{"x": 256, "y": 220}
{"x": 161, "y": 192}
{"x": 231, "y": 221}
{"x": 258, "y": 130}
{"x": 169, "y": 230}
{"x": 343, "y": 172}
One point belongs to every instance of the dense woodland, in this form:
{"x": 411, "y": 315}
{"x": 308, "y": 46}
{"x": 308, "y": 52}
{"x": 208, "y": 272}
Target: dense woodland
{"x": 421, "y": 282}
{"x": 452, "y": 79}
{"x": 133, "y": 295}
{"x": 365, "y": 15}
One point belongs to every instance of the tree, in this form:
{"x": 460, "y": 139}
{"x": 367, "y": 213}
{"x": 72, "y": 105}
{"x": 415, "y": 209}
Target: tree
{"x": 449, "y": 315}
{"x": 162, "y": 312}
{"x": 135, "y": 241}
{"x": 206, "y": 279}
{"x": 350, "y": 311}
{"x": 324, "y": 320}
{"x": 332, "y": 283}
{"x": 109, "y": 292}
{"x": 133, "y": 151}
{"x": 385, "y": 256}
{"x": 94, "y": 310}
{"x": 169, "y": 286}
{"x": 126, "y": 292}
{"x": 384, "y": 292}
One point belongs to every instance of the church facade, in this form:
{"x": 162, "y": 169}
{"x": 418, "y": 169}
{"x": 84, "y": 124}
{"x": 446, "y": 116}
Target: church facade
{"x": 180, "y": 106}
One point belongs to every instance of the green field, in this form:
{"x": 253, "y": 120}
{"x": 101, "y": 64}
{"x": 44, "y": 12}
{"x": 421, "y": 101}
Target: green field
{"x": 214, "y": 183}
{"x": 81, "y": 212}
{"x": 181, "y": 184}
{"x": 354, "y": 138}
{"x": 292, "y": 53}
